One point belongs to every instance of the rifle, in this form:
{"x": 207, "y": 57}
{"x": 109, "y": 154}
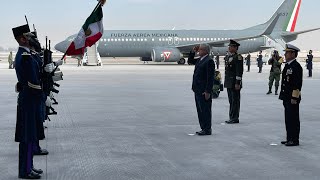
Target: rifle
{"x": 47, "y": 78}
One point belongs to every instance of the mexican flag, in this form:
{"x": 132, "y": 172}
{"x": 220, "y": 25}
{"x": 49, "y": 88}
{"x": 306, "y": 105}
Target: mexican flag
{"x": 89, "y": 34}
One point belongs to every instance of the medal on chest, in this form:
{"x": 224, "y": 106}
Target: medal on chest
{"x": 289, "y": 72}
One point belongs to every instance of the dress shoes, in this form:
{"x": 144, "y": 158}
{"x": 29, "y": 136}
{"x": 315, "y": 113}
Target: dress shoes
{"x": 292, "y": 143}
{"x": 31, "y": 175}
{"x": 284, "y": 142}
{"x": 204, "y": 132}
{"x": 232, "y": 122}
{"x": 41, "y": 152}
{"x": 38, "y": 171}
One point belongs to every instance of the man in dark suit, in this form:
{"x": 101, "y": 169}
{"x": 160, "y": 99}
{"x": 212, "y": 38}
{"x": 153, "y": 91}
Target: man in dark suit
{"x": 233, "y": 81}
{"x": 291, "y": 95}
{"x": 202, "y": 85}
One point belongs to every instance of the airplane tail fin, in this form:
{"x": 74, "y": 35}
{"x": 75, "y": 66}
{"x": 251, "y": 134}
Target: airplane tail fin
{"x": 288, "y": 14}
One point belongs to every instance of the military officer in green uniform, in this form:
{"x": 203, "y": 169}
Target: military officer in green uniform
{"x": 290, "y": 94}
{"x": 275, "y": 61}
{"x": 233, "y": 80}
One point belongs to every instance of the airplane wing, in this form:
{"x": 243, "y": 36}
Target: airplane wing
{"x": 222, "y": 43}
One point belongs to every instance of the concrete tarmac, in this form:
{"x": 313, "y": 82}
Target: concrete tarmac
{"x": 133, "y": 121}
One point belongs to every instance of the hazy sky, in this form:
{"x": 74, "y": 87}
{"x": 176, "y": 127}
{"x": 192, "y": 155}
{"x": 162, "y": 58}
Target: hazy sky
{"x": 58, "y": 19}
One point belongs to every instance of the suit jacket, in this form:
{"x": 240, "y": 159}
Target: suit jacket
{"x": 203, "y": 75}
{"x": 234, "y": 70}
{"x": 291, "y": 82}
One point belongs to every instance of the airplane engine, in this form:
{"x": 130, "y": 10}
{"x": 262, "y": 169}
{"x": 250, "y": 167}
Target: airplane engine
{"x": 161, "y": 54}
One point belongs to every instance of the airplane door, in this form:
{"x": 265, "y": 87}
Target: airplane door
{"x": 170, "y": 41}
{"x": 176, "y": 41}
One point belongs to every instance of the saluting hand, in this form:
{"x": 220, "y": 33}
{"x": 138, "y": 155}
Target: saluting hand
{"x": 206, "y": 95}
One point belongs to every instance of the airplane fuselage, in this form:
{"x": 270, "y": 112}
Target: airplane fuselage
{"x": 140, "y": 43}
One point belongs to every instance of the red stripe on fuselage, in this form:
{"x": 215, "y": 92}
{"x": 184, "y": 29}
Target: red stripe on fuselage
{"x": 295, "y": 18}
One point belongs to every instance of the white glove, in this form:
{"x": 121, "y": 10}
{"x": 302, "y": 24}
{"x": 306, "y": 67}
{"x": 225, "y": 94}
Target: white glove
{"x": 49, "y": 68}
{"x": 48, "y": 102}
{"x": 51, "y": 95}
{"x": 59, "y": 62}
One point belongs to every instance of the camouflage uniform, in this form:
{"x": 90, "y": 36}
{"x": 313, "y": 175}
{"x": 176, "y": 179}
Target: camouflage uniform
{"x": 275, "y": 73}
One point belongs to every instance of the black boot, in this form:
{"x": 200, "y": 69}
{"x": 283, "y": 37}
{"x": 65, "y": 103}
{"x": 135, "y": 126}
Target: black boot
{"x": 269, "y": 92}
{"x": 276, "y": 93}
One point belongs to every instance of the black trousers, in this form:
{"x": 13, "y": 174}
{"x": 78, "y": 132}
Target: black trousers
{"x": 248, "y": 68}
{"x": 234, "y": 101}
{"x": 260, "y": 69}
{"x": 292, "y": 120}
{"x": 204, "y": 111}
{"x": 25, "y": 158}
{"x": 310, "y": 72}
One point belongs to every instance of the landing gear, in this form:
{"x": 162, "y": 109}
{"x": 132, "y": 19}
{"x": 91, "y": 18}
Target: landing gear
{"x": 182, "y": 61}
{"x": 99, "y": 64}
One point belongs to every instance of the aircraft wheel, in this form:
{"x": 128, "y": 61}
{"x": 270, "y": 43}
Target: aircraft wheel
{"x": 182, "y": 61}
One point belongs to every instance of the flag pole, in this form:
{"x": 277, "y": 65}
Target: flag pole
{"x": 65, "y": 54}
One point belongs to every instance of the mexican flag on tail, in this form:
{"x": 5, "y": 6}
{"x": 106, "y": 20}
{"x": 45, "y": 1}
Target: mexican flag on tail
{"x": 89, "y": 34}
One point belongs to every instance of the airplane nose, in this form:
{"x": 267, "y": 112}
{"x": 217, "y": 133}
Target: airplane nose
{"x": 61, "y": 46}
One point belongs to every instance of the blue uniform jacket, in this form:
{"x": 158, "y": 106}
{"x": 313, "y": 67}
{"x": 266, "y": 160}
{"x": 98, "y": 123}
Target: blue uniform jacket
{"x": 30, "y": 98}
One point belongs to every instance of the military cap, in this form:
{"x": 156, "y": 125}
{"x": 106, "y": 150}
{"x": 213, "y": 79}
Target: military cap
{"x": 233, "y": 43}
{"x": 21, "y": 30}
{"x": 290, "y": 47}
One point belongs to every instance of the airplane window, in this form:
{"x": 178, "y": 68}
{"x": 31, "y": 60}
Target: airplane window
{"x": 119, "y": 39}
{"x": 254, "y": 39}
{"x": 200, "y": 39}
{"x": 187, "y": 39}
{"x": 111, "y": 39}
{"x": 134, "y": 39}
{"x": 138, "y": 39}
{"x": 167, "y": 39}
{"x": 215, "y": 39}
{"x": 101, "y": 40}
{"x": 126, "y": 39}
{"x": 211, "y": 39}
{"x": 115, "y": 39}
{"x": 152, "y": 39}
{"x": 145, "y": 39}
{"x": 122, "y": 39}
{"x": 130, "y": 39}
{"x": 159, "y": 39}
{"x": 163, "y": 39}
{"x": 218, "y": 39}
{"x": 191, "y": 39}
{"x": 184, "y": 39}
{"x": 108, "y": 40}
{"x": 197, "y": 39}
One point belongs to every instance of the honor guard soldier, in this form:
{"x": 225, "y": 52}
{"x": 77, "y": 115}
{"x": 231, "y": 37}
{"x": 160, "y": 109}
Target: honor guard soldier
{"x": 275, "y": 61}
{"x": 29, "y": 106}
{"x": 309, "y": 63}
{"x": 291, "y": 95}
{"x": 260, "y": 62}
{"x": 248, "y": 61}
{"x": 233, "y": 80}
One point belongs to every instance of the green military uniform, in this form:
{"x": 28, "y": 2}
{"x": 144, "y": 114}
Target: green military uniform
{"x": 233, "y": 76}
{"x": 275, "y": 73}
{"x": 10, "y": 60}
